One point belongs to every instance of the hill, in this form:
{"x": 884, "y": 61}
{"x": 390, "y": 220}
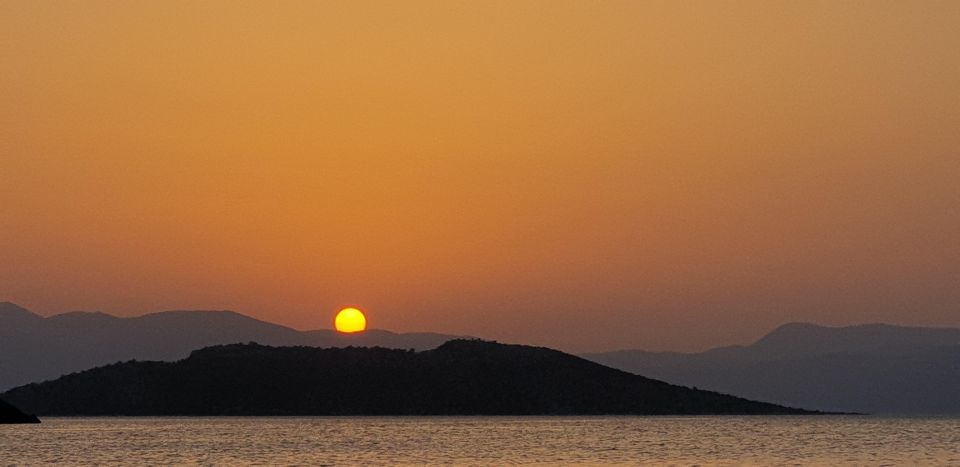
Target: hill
{"x": 461, "y": 377}
{"x": 34, "y": 348}
{"x": 10, "y": 415}
{"x": 872, "y": 368}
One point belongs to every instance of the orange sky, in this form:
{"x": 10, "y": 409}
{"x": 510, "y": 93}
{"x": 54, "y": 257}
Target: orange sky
{"x": 585, "y": 175}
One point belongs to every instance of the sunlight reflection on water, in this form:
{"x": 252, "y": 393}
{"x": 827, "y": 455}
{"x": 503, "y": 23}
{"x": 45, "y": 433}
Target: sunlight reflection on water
{"x": 485, "y": 440}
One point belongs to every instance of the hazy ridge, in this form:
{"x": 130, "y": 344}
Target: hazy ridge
{"x": 873, "y": 368}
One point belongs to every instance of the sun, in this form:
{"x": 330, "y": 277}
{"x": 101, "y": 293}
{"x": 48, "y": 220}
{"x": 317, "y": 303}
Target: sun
{"x": 350, "y": 320}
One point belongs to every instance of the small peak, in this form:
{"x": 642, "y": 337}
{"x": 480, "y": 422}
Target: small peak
{"x": 468, "y": 344}
{"x": 793, "y": 336}
{"x": 797, "y": 326}
{"x": 492, "y": 349}
{"x": 74, "y": 315}
{"x": 199, "y": 314}
{"x": 11, "y": 306}
{"x": 195, "y": 312}
{"x": 792, "y": 329}
{"x": 228, "y": 349}
{"x": 12, "y": 309}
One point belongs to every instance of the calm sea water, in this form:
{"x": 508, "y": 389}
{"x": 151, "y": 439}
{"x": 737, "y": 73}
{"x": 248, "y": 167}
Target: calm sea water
{"x": 485, "y": 440}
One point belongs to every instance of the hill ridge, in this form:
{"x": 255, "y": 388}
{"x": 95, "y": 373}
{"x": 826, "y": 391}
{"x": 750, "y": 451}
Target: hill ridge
{"x": 460, "y": 377}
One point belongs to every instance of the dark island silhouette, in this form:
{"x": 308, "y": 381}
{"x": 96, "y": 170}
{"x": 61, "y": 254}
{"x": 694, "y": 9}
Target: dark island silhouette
{"x": 461, "y": 377}
{"x": 871, "y": 368}
{"x": 10, "y": 415}
{"x": 34, "y": 348}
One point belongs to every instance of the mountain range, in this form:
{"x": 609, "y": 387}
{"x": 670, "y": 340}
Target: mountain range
{"x": 875, "y": 368}
{"x": 34, "y": 348}
{"x": 872, "y": 368}
{"x": 460, "y": 377}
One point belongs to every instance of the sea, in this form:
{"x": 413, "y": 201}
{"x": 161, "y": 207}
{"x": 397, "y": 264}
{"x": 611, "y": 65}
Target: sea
{"x": 615, "y": 440}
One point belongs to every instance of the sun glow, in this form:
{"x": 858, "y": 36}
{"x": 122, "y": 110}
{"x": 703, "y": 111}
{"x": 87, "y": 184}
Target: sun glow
{"x": 350, "y": 320}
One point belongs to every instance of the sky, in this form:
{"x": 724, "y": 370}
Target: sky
{"x": 589, "y": 176}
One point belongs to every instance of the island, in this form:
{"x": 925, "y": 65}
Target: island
{"x": 10, "y": 415}
{"x": 460, "y": 377}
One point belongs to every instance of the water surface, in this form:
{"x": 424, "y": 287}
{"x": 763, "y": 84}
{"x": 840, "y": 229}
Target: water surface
{"x": 485, "y": 440}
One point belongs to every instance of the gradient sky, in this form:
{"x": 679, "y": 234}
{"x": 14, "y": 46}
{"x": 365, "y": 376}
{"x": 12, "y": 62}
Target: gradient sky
{"x": 585, "y": 175}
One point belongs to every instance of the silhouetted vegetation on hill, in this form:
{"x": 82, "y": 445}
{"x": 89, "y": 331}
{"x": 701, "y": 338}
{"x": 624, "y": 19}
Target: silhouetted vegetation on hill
{"x": 461, "y": 377}
{"x": 10, "y": 414}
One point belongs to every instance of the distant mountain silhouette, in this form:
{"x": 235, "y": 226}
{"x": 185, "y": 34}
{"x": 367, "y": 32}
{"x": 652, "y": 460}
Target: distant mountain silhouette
{"x": 34, "y": 348}
{"x": 872, "y": 368}
{"x": 461, "y": 377}
{"x": 10, "y": 414}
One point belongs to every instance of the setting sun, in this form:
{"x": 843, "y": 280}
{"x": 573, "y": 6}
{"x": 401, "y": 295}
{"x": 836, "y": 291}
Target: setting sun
{"x": 350, "y": 320}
